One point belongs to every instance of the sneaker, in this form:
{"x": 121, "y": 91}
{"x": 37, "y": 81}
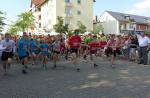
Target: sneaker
{"x": 78, "y": 69}
{"x": 24, "y": 71}
{"x": 95, "y": 65}
{"x": 113, "y": 66}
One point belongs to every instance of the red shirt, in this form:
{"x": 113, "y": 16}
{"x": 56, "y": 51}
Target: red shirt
{"x": 75, "y": 41}
{"x": 93, "y": 45}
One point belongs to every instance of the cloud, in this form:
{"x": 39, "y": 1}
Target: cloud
{"x": 142, "y": 7}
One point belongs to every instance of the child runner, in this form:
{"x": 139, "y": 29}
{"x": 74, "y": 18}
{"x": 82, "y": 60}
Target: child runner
{"x": 87, "y": 40}
{"x": 44, "y": 52}
{"x": 56, "y": 50}
{"x": 93, "y": 49}
{"x": 116, "y": 44}
{"x": 34, "y": 50}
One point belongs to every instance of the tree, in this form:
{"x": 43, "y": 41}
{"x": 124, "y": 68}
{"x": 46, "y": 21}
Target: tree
{"x": 25, "y": 21}
{"x": 81, "y": 27}
{"x": 65, "y": 28}
{"x": 60, "y": 27}
{"x": 97, "y": 28}
{"x": 13, "y": 29}
{"x": 2, "y": 24}
{"x": 148, "y": 30}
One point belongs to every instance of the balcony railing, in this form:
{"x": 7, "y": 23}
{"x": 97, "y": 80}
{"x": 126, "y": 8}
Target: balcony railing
{"x": 69, "y": 4}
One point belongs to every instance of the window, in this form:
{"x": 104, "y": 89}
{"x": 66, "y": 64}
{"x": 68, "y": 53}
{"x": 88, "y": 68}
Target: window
{"x": 131, "y": 26}
{"x": 39, "y": 17}
{"x": 39, "y": 9}
{"x": 67, "y": 11}
{"x": 39, "y": 25}
{"x": 78, "y": 12}
{"x": 125, "y": 26}
{"x": 79, "y": 1}
{"x": 67, "y": 1}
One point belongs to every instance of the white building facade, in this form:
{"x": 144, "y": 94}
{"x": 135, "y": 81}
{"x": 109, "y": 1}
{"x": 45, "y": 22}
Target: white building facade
{"x": 109, "y": 23}
{"x": 119, "y": 23}
{"x": 72, "y": 11}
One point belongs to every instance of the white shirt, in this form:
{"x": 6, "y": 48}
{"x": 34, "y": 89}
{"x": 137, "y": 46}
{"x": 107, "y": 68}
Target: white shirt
{"x": 10, "y": 44}
{"x": 143, "y": 41}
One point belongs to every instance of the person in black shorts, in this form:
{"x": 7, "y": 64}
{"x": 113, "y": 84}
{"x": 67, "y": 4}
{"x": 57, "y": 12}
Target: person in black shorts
{"x": 75, "y": 45}
{"x": 7, "y": 53}
{"x": 56, "y": 51}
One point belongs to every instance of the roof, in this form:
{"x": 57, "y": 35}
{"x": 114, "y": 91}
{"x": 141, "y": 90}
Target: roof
{"x": 136, "y": 18}
{"x": 37, "y": 2}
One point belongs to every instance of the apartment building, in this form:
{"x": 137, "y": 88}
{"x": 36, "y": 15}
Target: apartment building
{"x": 72, "y": 11}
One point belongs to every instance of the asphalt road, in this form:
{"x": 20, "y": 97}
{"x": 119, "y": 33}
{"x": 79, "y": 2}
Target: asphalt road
{"x": 128, "y": 80}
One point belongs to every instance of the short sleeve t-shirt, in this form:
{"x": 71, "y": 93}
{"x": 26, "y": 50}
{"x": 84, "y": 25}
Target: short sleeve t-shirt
{"x": 10, "y": 44}
{"x": 88, "y": 40}
{"x": 33, "y": 45}
{"x": 22, "y": 48}
{"x": 93, "y": 46}
{"x": 56, "y": 46}
{"x": 44, "y": 48}
{"x": 75, "y": 41}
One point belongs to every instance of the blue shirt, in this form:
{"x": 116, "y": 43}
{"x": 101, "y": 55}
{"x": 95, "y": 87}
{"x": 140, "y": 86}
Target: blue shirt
{"x": 33, "y": 46}
{"x": 44, "y": 48}
{"x": 23, "y": 48}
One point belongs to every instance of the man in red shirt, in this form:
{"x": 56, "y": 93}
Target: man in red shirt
{"x": 93, "y": 46}
{"x": 75, "y": 44}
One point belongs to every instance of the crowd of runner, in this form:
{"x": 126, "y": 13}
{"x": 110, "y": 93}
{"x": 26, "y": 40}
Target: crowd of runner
{"x": 46, "y": 49}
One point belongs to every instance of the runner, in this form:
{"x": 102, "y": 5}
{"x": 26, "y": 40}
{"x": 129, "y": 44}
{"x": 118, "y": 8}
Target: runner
{"x": 116, "y": 44}
{"x": 44, "y": 52}
{"x": 56, "y": 51}
{"x": 34, "y": 49}
{"x": 7, "y": 54}
{"x": 23, "y": 51}
{"x": 87, "y": 40}
{"x": 93, "y": 50}
{"x": 75, "y": 43}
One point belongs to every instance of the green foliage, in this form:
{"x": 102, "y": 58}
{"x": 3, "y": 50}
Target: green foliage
{"x": 81, "y": 27}
{"x": 13, "y": 30}
{"x": 25, "y": 21}
{"x": 59, "y": 27}
{"x": 148, "y": 30}
{"x": 65, "y": 28}
{"x": 97, "y": 28}
{"x": 70, "y": 33}
{"x": 2, "y": 24}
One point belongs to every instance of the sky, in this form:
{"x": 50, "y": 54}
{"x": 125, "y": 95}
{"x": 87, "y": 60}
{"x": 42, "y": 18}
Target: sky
{"x": 138, "y": 7}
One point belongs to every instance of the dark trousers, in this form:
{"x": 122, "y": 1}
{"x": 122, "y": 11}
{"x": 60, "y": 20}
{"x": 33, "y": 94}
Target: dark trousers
{"x": 143, "y": 54}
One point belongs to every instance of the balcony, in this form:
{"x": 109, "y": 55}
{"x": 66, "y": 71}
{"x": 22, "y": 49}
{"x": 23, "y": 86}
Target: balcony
{"x": 68, "y": 4}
